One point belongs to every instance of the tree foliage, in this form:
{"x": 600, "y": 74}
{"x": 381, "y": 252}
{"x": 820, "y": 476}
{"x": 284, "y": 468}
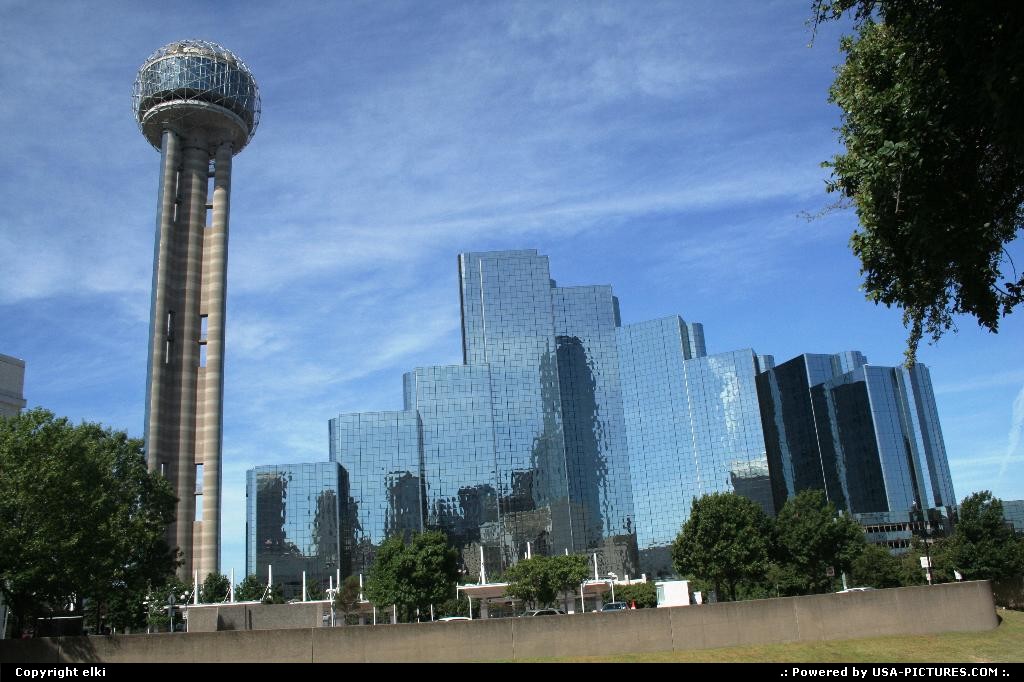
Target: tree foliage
{"x": 725, "y": 541}
{"x": 215, "y": 588}
{"x": 346, "y": 599}
{"x": 250, "y": 589}
{"x": 413, "y": 576}
{"x": 811, "y": 536}
{"x": 931, "y": 94}
{"x": 982, "y": 546}
{"x": 539, "y": 580}
{"x": 876, "y": 567}
{"x": 80, "y": 518}
{"x": 644, "y": 595}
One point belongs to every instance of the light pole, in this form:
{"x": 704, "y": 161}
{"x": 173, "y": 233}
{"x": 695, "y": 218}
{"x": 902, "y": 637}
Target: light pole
{"x": 926, "y": 532}
{"x": 614, "y": 577}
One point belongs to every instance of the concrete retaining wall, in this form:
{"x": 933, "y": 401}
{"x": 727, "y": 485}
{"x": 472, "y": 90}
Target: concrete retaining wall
{"x": 909, "y": 610}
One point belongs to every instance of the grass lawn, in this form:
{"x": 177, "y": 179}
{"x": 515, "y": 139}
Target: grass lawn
{"x": 1003, "y": 645}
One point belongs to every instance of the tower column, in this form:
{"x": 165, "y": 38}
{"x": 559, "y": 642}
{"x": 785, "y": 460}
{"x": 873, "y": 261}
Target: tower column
{"x": 209, "y": 429}
{"x": 197, "y": 103}
{"x": 191, "y": 223}
{"x": 161, "y": 327}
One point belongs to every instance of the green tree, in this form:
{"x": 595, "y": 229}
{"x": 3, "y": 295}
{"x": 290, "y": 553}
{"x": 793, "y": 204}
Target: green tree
{"x": 531, "y": 581}
{"x": 538, "y": 581}
{"x": 782, "y": 579}
{"x": 413, "y": 576}
{"x": 81, "y": 518}
{"x": 157, "y": 599}
{"x": 644, "y": 595}
{"x": 875, "y": 566}
{"x": 982, "y": 546}
{"x": 725, "y": 541}
{"x": 811, "y": 536}
{"x": 931, "y": 94}
{"x": 215, "y": 588}
{"x": 346, "y": 599}
{"x": 910, "y": 571}
{"x": 250, "y": 589}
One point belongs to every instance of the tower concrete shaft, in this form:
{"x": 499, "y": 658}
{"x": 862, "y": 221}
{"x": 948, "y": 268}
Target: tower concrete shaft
{"x": 184, "y": 411}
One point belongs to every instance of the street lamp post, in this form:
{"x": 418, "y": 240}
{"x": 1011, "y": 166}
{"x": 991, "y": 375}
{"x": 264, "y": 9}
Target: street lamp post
{"x": 926, "y": 531}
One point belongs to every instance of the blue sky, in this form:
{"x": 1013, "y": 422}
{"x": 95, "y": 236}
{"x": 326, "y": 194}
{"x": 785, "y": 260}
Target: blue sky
{"x": 668, "y": 149}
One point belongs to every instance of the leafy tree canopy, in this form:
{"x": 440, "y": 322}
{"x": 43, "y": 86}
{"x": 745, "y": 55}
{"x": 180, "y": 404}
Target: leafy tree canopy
{"x": 644, "y": 595}
{"x": 215, "y": 588}
{"x": 982, "y": 546}
{"x": 931, "y": 94}
{"x": 876, "y": 567}
{"x": 812, "y": 536}
{"x": 539, "y": 580}
{"x": 81, "y": 518}
{"x": 250, "y": 589}
{"x": 413, "y": 576}
{"x": 346, "y": 599}
{"x": 725, "y": 541}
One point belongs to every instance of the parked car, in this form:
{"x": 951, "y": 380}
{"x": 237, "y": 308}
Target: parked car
{"x": 615, "y": 606}
{"x": 855, "y": 589}
{"x": 544, "y": 612}
{"x": 448, "y": 619}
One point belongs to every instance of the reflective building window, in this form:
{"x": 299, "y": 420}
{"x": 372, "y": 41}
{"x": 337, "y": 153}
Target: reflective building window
{"x": 869, "y": 436}
{"x": 693, "y": 428}
{"x": 293, "y": 518}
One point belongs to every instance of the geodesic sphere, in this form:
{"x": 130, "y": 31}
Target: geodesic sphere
{"x": 196, "y": 87}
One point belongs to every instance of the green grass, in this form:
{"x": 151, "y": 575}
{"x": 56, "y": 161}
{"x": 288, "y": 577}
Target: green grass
{"x": 1003, "y": 645}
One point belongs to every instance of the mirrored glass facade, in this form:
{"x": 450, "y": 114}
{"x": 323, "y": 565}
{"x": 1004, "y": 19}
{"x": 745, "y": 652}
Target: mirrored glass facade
{"x": 693, "y": 428}
{"x": 380, "y": 451}
{"x": 564, "y": 430}
{"x": 294, "y": 522}
{"x": 597, "y": 453}
{"x": 868, "y": 436}
{"x": 522, "y": 448}
{"x": 791, "y": 434}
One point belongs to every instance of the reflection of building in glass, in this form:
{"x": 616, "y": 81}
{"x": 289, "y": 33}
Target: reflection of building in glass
{"x": 380, "y": 452}
{"x": 524, "y": 443}
{"x": 565, "y": 431}
{"x": 868, "y": 436}
{"x": 693, "y": 427}
{"x": 1013, "y": 514}
{"x": 295, "y": 523}
{"x": 791, "y": 434}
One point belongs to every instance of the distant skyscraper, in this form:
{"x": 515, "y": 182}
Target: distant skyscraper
{"x": 294, "y": 517}
{"x": 791, "y": 434}
{"x": 12, "y": 385}
{"x": 868, "y": 436}
{"x": 522, "y": 446}
{"x": 565, "y": 431}
{"x": 198, "y": 104}
{"x": 693, "y": 427}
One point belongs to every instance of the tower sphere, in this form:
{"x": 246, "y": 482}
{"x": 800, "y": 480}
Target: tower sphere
{"x": 196, "y": 88}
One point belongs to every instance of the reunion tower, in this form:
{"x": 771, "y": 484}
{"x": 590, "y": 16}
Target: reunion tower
{"x": 198, "y": 104}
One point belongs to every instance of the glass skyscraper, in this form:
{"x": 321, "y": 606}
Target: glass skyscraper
{"x": 565, "y": 431}
{"x": 294, "y": 522}
{"x": 868, "y": 436}
{"x": 522, "y": 448}
{"x": 693, "y": 428}
{"x": 562, "y": 430}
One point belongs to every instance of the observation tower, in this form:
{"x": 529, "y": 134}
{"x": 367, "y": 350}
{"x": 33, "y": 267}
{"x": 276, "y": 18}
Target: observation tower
{"x": 198, "y": 104}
